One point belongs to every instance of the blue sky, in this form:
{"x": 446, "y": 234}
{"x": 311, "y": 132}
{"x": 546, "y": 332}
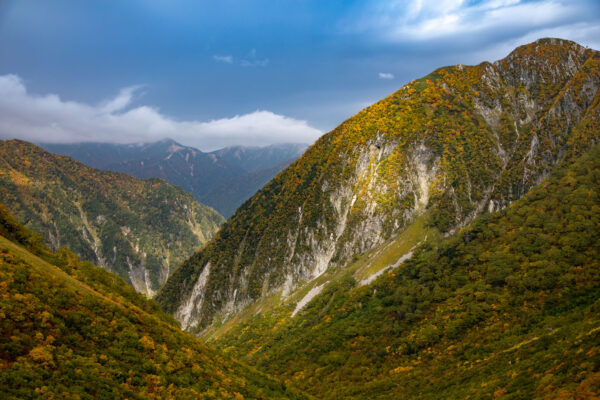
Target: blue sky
{"x": 215, "y": 73}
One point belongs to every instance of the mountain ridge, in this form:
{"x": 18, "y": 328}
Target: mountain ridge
{"x": 200, "y": 173}
{"x": 457, "y": 143}
{"x": 139, "y": 229}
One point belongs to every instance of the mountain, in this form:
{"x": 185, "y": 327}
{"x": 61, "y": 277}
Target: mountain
{"x": 508, "y": 307}
{"x": 72, "y": 330}
{"x": 139, "y": 229}
{"x": 204, "y": 175}
{"x": 427, "y": 159}
{"x": 254, "y": 159}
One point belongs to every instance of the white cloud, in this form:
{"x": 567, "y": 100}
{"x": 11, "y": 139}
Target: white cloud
{"x": 122, "y": 100}
{"x": 429, "y": 20}
{"x": 252, "y": 61}
{"x": 249, "y": 61}
{"x": 386, "y": 75}
{"x": 48, "y": 118}
{"x": 223, "y": 59}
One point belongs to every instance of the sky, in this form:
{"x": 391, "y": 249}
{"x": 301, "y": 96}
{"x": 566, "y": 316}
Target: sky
{"x": 211, "y": 74}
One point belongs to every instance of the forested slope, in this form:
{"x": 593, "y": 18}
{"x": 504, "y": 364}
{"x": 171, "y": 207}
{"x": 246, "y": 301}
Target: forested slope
{"x": 508, "y": 307}
{"x": 139, "y": 229}
{"x": 71, "y": 330}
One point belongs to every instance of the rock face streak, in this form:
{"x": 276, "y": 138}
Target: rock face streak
{"x": 459, "y": 142}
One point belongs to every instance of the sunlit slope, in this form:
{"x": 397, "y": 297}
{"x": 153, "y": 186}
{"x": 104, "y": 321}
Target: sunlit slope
{"x": 138, "y": 229}
{"x": 509, "y": 306}
{"x": 69, "y": 329}
{"x": 462, "y": 141}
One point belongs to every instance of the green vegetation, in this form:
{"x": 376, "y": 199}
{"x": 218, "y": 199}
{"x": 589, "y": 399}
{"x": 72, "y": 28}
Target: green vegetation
{"x": 71, "y": 330}
{"x": 139, "y": 229}
{"x": 387, "y": 254}
{"x": 508, "y": 307}
{"x": 455, "y": 144}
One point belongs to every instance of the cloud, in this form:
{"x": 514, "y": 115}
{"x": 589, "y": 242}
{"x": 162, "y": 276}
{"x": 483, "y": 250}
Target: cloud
{"x": 386, "y": 75}
{"x": 252, "y": 61}
{"x": 249, "y": 61}
{"x": 223, "y": 59}
{"x": 458, "y": 23}
{"x": 122, "y": 100}
{"x": 48, "y": 118}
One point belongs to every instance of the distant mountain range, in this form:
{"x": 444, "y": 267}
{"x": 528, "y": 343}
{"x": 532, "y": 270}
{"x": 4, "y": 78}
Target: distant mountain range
{"x": 222, "y": 179}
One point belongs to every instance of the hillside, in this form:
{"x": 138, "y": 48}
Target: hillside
{"x": 508, "y": 307}
{"x": 457, "y": 143}
{"x": 239, "y": 171}
{"x": 71, "y": 330}
{"x": 139, "y": 229}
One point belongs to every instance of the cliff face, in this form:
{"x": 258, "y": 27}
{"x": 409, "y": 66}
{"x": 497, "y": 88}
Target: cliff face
{"x": 139, "y": 229}
{"x": 456, "y": 143}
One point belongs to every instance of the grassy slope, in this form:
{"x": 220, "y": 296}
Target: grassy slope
{"x": 69, "y": 329}
{"x": 278, "y": 307}
{"x": 507, "y": 307}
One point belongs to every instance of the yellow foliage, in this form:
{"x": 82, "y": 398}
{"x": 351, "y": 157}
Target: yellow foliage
{"x": 41, "y": 354}
{"x": 402, "y": 368}
{"x": 147, "y": 343}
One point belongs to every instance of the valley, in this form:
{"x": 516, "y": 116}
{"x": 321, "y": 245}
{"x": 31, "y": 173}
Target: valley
{"x": 441, "y": 243}
{"x": 72, "y": 330}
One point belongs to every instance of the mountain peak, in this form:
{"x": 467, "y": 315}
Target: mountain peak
{"x": 166, "y": 142}
{"x": 454, "y": 144}
{"x": 548, "y": 53}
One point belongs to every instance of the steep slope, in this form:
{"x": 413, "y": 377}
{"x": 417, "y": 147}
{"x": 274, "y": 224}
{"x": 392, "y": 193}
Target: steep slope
{"x": 139, "y": 229}
{"x": 69, "y": 329}
{"x": 510, "y": 306}
{"x": 457, "y": 143}
{"x": 202, "y": 174}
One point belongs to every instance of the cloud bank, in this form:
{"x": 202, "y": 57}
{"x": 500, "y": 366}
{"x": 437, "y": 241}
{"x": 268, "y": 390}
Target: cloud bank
{"x": 469, "y": 22}
{"x": 50, "y": 119}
